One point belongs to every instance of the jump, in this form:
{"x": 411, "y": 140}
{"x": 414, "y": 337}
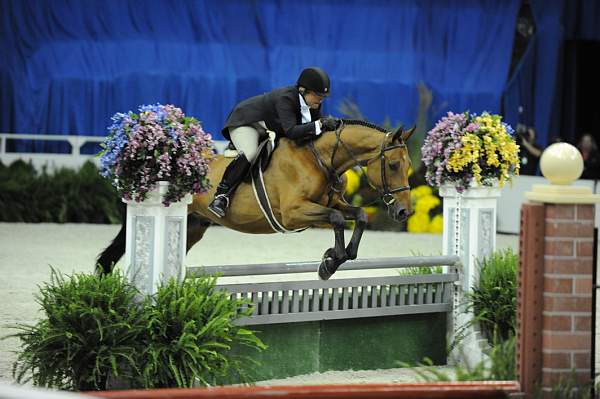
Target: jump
{"x": 304, "y": 179}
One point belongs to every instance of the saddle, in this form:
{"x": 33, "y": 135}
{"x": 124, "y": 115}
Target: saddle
{"x": 260, "y": 164}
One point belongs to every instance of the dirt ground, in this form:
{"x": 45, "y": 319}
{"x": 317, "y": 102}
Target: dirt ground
{"x": 28, "y": 251}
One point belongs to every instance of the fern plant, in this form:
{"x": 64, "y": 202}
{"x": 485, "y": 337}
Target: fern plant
{"x": 91, "y": 330}
{"x": 99, "y": 332}
{"x": 190, "y": 333}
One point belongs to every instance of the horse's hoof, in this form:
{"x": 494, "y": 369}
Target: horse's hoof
{"x": 326, "y": 268}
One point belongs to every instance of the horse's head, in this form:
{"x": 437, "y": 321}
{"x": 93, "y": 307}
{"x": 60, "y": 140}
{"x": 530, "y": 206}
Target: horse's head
{"x": 388, "y": 173}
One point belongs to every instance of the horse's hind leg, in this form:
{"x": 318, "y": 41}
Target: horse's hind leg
{"x": 111, "y": 254}
{"x": 196, "y": 227}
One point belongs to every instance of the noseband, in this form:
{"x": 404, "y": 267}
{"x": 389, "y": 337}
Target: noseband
{"x": 386, "y": 192}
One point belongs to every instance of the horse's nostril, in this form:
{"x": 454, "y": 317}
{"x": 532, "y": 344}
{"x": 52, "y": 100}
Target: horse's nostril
{"x": 403, "y": 214}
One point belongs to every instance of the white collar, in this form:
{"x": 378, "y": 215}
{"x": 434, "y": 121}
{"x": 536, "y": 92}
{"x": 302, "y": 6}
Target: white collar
{"x": 303, "y": 102}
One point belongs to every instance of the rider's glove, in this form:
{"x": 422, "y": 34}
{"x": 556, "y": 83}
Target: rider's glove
{"x": 329, "y": 123}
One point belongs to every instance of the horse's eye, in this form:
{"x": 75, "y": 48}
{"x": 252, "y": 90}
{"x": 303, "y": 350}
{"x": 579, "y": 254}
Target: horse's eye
{"x": 394, "y": 165}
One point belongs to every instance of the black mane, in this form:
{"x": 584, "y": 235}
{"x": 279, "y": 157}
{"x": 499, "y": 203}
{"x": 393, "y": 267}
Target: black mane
{"x": 364, "y": 123}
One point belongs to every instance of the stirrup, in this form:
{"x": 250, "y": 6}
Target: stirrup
{"x": 219, "y": 211}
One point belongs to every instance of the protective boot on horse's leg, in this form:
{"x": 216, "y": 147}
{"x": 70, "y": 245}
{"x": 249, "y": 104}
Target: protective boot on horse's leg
{"x": 245, "y": 139}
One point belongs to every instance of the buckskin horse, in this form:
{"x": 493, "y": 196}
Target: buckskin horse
{"x": 304, "y": 183}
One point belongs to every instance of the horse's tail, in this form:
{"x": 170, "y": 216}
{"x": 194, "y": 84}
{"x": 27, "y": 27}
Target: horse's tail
{"x": 107, "y": 260}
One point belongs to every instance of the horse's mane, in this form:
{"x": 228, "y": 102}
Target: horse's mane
{"x": 364, "y": 123}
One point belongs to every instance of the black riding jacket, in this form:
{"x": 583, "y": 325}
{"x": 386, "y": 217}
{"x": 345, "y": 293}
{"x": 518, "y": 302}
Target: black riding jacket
{"x": 279, "y": 109}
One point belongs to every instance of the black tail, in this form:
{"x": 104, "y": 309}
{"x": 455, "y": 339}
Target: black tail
{"x": 110, "y": 256}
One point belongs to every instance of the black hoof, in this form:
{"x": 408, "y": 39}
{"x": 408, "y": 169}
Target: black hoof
{"x": 326, "y": 268}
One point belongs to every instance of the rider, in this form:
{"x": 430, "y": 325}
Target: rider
{"x": 292, "y": 112}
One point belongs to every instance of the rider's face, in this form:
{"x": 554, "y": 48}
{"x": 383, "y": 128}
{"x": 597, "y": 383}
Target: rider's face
{"x": 313, "y": 99}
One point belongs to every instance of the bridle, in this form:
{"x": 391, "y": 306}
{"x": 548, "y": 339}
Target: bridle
{"x": 386, "y": 192}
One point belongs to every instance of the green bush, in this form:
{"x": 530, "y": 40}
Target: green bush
{"x": 501, "y": 367}
{"x": 494, "y": 301}
{"x": 66, "y": 196}
{"x": 92, "y": 330}
{"x": 190, "y": 332}
{"x": 99, "y": 331}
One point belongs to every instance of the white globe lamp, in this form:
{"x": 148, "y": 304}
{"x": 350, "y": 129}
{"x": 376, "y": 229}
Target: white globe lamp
{"x": 561, "y": 163}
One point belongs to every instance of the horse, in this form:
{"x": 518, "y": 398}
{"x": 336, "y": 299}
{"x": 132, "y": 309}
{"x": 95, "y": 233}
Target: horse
{"x": 305, "y": 184}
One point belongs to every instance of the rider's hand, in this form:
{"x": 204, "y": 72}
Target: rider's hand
{"x": 329, "y": 123}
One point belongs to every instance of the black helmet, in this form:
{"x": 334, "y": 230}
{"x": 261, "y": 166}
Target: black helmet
{"x": 315, "y": 79}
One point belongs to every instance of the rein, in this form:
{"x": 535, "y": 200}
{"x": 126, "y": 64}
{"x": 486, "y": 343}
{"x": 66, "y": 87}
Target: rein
{"x": 335, "y": 181}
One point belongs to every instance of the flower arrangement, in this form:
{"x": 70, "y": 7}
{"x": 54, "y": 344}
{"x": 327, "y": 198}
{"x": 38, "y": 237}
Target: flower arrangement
{"x": 427, "y": 217}
{"x": 463, "y": 149}
{"x": 159, "y": 143}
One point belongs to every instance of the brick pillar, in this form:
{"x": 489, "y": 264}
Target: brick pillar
{"x": 530, "y": 297}
{"x": 565, "y": 292}
{"x": 567, "y": 313}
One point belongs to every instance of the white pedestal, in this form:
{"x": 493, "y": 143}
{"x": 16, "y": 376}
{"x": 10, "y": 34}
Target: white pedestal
{"x": 472, "y": 240}
{"x": 156, "y": 240}
{"x": 477, "y": 227}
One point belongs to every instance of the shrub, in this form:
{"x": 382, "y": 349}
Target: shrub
{"x": 91, "y": 330}
{"x": 98, "y": 330}
{"x": 494, "y": 301}
{"x": 190, "y": 331}
{"x": 502, "y": 367}
{"x": 65, "y": 196}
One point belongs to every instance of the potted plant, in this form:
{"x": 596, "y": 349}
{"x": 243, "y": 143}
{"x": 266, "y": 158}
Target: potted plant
{"x": 156, "y": 159}
{"x": 467, "y": 150}
{"x": 159, "y": 143}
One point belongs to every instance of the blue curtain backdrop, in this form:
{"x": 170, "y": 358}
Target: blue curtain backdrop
{"x": 537, "y": 82}
{"x": 67, "y": 66}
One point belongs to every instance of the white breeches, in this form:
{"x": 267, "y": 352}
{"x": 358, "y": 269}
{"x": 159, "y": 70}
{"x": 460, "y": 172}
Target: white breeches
{"x": 246, "y": 139}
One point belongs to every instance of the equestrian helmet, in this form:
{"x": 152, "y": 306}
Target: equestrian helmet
{"x": 315, "y": 79}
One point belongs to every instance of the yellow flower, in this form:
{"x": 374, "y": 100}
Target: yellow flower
{"x": 352, "y": 181}
{"x": 420, "y": 191}
{"x": 418, "y": 223}
{"x": 371, "y": 211}
{"x": 437, "y": 224}
{"x": 427, "y": 203}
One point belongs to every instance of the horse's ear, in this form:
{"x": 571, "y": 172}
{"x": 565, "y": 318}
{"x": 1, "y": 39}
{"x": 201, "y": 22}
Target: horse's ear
{"x": 407, "y": 133}
{"x": 397, "y": 135}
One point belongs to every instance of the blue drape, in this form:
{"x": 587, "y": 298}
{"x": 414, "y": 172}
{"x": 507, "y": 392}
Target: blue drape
{"x": 537, "y": 82}
{"x": 68, "y": 65}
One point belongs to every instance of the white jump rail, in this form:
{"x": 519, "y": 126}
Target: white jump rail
{"x": 341, "y": 298}
{"x": 73, "y": 159}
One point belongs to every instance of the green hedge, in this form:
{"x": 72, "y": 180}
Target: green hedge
{"x": 66, "y": 196}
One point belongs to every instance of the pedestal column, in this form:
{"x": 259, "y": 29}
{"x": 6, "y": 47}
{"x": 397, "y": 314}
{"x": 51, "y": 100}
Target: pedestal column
{"x": 156, "y": 240}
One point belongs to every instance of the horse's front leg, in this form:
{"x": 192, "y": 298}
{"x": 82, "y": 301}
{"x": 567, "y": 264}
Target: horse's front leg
{"x": 312, "y": 213}
{"x": 360, "y": 217}
{"x": 334, "y": 257}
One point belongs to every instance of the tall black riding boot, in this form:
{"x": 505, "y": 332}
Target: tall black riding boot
{"x": 232, "y": 177}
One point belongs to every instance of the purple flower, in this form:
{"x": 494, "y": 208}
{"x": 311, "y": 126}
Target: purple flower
{"x": 158, "y": 143}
